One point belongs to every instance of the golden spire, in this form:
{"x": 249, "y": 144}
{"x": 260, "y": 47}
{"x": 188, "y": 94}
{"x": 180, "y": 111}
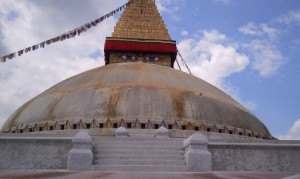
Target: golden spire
{"x": 141, "y": 20}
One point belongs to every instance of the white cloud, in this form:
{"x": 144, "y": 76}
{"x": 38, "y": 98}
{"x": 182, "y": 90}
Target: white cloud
{"x": 211, "y": 59}
{"x": 222, "y": 1}
{"x": 26, "y": 23}
{"x": 265, "y": 55}
{"x": 160, "y": 6}
{"x": 293, "y": 133}
{"x": 259, "y": 30}
{"x": 249, "y": 104}
{"x": 267, "y": 58}
{"x": 184, "y": 33}
{"x": 290, "y": 18}
{"x": 170, "y": 7}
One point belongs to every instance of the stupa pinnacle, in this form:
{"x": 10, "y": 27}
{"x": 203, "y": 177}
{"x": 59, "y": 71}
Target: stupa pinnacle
{"x": 141, "y": 20}
{"x": 140, "y": 36}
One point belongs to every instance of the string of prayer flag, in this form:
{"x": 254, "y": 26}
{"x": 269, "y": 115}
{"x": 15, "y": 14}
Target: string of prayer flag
{"x": 68, "y": 35}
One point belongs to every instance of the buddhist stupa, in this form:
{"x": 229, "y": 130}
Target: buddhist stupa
{"x": 138, "y": 117}
{"x": 137, "y": 88}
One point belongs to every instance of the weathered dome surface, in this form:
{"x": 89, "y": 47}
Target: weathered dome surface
{"x": 136, "y": 90}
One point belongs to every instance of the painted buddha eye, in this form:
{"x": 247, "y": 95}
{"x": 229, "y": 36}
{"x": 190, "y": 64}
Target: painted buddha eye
{"x": 152, "y": 59}
{"x": 128, "y": 57}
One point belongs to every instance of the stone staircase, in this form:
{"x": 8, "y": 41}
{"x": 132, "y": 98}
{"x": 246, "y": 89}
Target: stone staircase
{"x": 138, "y": 154}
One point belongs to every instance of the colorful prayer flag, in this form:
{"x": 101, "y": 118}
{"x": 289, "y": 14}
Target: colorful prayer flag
{"x": 27, "y": 49}
{"x": 68, "y": 35}
{"x": 42, "y": 45}
{"x": 3, "y": 59}
{"x": 20, "y": 52}
{"x": 35, "y": 47}
{"x": 12, "y": 55}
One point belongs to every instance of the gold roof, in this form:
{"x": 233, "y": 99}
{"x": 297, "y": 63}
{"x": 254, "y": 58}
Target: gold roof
{"x": 141, "y": 20}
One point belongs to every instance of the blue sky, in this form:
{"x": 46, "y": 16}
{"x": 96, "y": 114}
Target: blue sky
{"x": 267, "y": 33}
{"x": 248, "y": 48}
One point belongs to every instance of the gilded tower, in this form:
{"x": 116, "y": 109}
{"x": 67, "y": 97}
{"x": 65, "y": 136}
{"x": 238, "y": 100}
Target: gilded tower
{"x": 140, "y": 35}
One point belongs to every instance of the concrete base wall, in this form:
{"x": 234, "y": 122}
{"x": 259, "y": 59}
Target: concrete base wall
{"x": 21, "y": 152}
{"x": 266, "y": 157}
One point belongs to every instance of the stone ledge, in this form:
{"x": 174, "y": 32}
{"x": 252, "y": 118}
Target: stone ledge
{"x": 253, "y": 145}
{"x": 35, "y": 138}
{"x": 138, "y": 175}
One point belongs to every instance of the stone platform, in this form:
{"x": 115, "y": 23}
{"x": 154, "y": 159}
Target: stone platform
{"x": 49, "y": 152}
{"x": 133, "y": 175}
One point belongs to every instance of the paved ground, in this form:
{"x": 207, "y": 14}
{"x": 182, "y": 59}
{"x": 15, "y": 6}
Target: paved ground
{"x": 130, "y": 175}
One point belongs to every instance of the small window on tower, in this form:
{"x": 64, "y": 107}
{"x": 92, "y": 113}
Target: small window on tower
{"x": 143, "y": 126}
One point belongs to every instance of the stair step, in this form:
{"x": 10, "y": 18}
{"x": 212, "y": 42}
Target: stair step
{"x": 137, "y": 147}
{"x": 139, "y": 168}
{"x": 140, "y": 143}
{"x": 142, "y": 153}
{"x": 157, "y": 156}
{"x": 101, "y": 138}
{"x": 140, "y": 162}
{"x": 138, "y": 152}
